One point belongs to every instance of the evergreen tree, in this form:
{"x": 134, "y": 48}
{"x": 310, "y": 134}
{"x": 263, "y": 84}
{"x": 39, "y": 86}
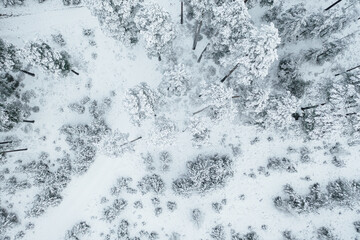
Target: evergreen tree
{"x": 43, "y": 55}
{"x": 157, "y": 28}
{"x": 10, "y": 115}
{"x": 175, "y": 81}
{"x": 117, "y": 17}
{"x": 141, "y": 102}
{"x": 9, "y": 57}
{"x": 12, "y": 2}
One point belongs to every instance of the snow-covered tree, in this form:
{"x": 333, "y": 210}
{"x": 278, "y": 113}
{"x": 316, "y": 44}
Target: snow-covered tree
{"x": 157, "y": 28}
{"x": 218, "y": 101}
{"x": 175, "y": 81}
{"x": 12, "y": 2}
{"x": 141, "y": 102}
{"x": 279, "y": 112}
{"x": 42, "y": 54}
{"x": 117, "y": 17}
{"x": 205, "y": 173}
{"x": 116, "y": 143}
{"x": 9, "y": 57}
{"x": 296, "y": 23}
{"x": 251, "y": 58}
{"x": 10, "y": 115}
{"x": 8, "y": 86}
{"x": 164, "y": 132}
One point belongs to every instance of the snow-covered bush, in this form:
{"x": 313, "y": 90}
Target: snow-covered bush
{"x": 117, "y": 18}
{"x": 197, "y": 216}
{"x": 165, "y": 159}
{"x": 7, "y": 220}
{"x": 151, "y": 183}
{"x": 83, "y": 140}
{"x": 325, "y": 233}
{"x": 248, "y": 236}
{"x": 175, "y": 81}
{"x": 112, "y": 211}
{"x": 9, "y": 57}
{"x": 141, "y": 102}
{"x": 12, "y": 2}
{"x": 77, "y": 231}
{"x": 48, "y": 197}
{"x": 340, "y": 192}
{"x": 123, "y": 230}
{"x": 277, "y": 163}
{"x": 122, "y": 183}
{"x": 171, "y": 205}
{"x": 218, "y": 232}
{"x": 157, "y": 28}
{"x": 200, "y": 131}
{"x": 42, "y": 54}
{"x": 205, "y": 173}
{"x": 59, "y": 39}
{"x": 73, "y": 2}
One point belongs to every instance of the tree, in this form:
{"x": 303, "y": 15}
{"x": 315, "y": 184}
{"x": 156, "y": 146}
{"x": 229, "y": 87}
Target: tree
{"x": 10, "y": 115}
{"x": 12, "y": 2}
{"x": 205, "y": 173}
{"x": 8, "y": 87}
{"x": 157, "y": 29}
{"x": 175, "y": 81}
{"x": 164, "y": 132}
{"x": 9, "y": 57}
{"x": 116, "y": 143}
{"x": 141, "y": 102}
{"x": 117, "y": 17}
{"x": 42, "y": 54}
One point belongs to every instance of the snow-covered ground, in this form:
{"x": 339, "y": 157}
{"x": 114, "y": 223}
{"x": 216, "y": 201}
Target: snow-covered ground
{"x": 108, "y": 69}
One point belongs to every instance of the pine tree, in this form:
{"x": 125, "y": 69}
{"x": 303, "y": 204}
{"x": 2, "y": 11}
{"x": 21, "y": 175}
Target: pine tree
{"x": 141, "y": 102}
{"x": 43, "y": 55}
{"x": 157, "y": 28}
{"x": 117, "y": 17}
{"x": 10, "y": 115}
{"x": 175, "y": 81}
{"x": 9, "y": 57}
{"x": 12, "y": 2}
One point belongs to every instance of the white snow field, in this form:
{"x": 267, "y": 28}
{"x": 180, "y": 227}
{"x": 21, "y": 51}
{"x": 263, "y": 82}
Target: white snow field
{"x": 271, "y": 152}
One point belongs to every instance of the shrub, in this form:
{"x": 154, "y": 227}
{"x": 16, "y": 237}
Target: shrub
{"x": 78, "y": 230}
{"x": 276, "y": 163}
{"x": 218, "y": 233}
{"x": 205, "y": 173}
{"x": 111, "y": 212}
{"x": 151, "y": 183}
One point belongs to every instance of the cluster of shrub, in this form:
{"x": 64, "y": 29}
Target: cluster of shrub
{"x": 205, "y": 173}
{"x": 340, "y": 192}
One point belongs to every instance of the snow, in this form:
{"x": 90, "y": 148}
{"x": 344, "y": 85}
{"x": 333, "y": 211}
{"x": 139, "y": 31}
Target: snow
{"x": 116, "y": 69}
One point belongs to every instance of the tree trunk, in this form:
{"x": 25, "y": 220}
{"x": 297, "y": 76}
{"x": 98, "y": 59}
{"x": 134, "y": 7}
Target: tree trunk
{"x": 347, "y": 70}
{"x": 28, "y": 73}
{"x": 131, "y": 141}
{"x": 74, "y": 72}
{"x": 314, "y": 106}
{"x": 29, "y": 121}
{"x": 200, "y": 110}
{"x": 182, "y": 13}
{"x": 201, "y": 55}
{"x": 159, "y": 57}
{"x": 332, "y": 5}
{"x": 6, "y": 142}
{"x": 197, "y": 32}
{"x": 232, "y": 70}
{"x": 16, "y": 150}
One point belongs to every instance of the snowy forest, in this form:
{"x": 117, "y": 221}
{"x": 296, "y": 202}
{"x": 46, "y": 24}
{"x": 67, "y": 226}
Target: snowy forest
{"x": 179, "y": 120}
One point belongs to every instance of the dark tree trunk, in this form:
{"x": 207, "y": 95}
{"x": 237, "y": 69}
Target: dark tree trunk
{"x": 75, "y": 72}
{"x": 197, "y": 32}
{"x": 182, "y": 13}
{"x": 332, "y": 5}
{"x": 314, "y": 106}
{"x": 347, "y": 70}
{"x": 228, "y": 75}
{"x": 130, "y": 141}
{"x": 201, "y": 55}
{"x": 200, "y": 110}
{"x": 29, "y": 121}
{"x": 6, "y": 142}
{"x": 16, "y": 150}
{"x": 28, "y": 73}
